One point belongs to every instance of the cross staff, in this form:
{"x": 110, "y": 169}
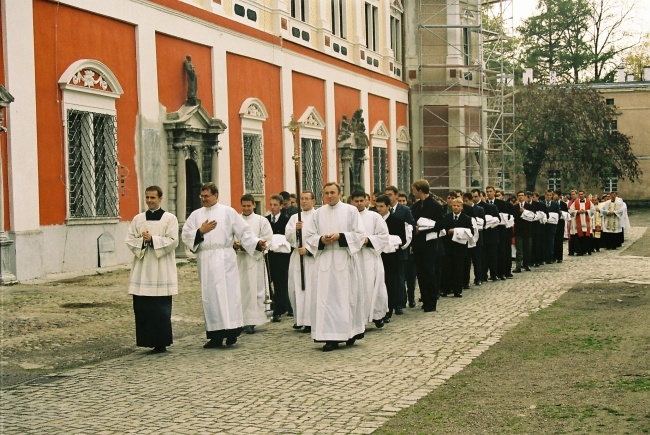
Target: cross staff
{"x": 293, "y": 127}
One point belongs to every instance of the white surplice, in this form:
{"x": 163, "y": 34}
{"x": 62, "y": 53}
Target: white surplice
{"x": 252, "y": 273}
{"x": 154, "y": 267}
{"x": 616, "y": 222}
{"x": 217, "y": 263}
{"x": 338, "y": 308}
{"x": 300, "y": 299}
{"x": 372, "y": 268}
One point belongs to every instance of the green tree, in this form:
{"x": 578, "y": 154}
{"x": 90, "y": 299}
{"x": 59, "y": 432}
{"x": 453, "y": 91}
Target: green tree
{"x": 568, "y": 128}
{"x": 639, "y": 57}
{"x": 554, "y": 42}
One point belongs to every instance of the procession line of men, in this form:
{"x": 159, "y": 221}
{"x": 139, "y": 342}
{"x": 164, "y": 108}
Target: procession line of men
{"x": 343, "y": 266}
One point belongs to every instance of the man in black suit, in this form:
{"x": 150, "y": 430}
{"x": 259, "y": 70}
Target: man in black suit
{"x": 288, "y": 209}
{"x": 491, "y": 238}
{"x": 558, "y": 245}
{"x": 523, "y": 232}
{"x": 391, "y": 260}
{"x": 550, "y": 229}
{"x": 538, "y": 232}
{"x": 279, "y": 262}
{"x": 475, "y": 253}
{"x": 403, "y": 213}
{"x": 455, "y": 252}
{"x": 425, "y": 251}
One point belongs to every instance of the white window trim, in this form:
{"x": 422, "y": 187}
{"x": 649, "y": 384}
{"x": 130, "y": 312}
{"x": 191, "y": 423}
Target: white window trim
{"x": 402, "y": 138}
{"x": 77, "y": 94}
{"x": 340, "y": 18}
{"x": 253, "y": 114}
{"x": 311, "y": 124}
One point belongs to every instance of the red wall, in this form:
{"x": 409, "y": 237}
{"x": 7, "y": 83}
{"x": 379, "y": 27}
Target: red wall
{"x": 244, "y": 81}
{"x": 62, "y": 36}
{"x": 3, "y": 139}
{"x": 401, "y": 115}
{"x": 170, "y": 56}
{"x": 379, "y": 109}
{"x": 346, "y": 102}
{"x": 310, "y": 91}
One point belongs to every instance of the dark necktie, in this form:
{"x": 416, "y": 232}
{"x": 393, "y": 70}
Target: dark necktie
{"x": 455, "y": 218}
{"x": 272, "y": 219}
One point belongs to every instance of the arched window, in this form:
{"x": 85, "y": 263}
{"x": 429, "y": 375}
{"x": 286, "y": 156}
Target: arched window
{"x": 89, "y": 91}
{"x": 253, "y": 114}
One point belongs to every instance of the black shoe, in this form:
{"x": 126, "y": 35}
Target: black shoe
{"x": 379, "y": 323}
{"x": 527, "y": 268}
{"x": 295, "y": 326}
{"x": 230, "y": 341}
{"x": 429, "y": 309}
{"x": 386, "y": 319}
{"x": 399, "y": 311}
{"x": 307, "y": 329}
{"x": 350, "y": 342}
{"x": 277, "y": 318}
{"x": 289, "y": 313}
{"x": 559, "y": 261}
{"x": 249, "y": 329}
{"x": 502, "y": 278}
{"x": 443, "y": 295}
{"x": 509, "y": 276}
{"x": 458, "y": 295}
{"x": 517, "y": 270}
{"x": 465, "y": 287}
{"x": 330, "y": 346}
{"x": 411, "y": 304}
{"x": 477, "y": 282}
{"x": 158, "y": 349}
{"x": 494, "y": 278}
{"x": 213, "y": 343}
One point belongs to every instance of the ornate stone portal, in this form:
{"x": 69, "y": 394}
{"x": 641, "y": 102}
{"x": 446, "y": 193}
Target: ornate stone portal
{"x": 352, "y": 143}
{"x": 193, "y": 156}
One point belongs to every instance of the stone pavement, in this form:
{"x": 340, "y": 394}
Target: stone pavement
{"x": 279, "y": 381}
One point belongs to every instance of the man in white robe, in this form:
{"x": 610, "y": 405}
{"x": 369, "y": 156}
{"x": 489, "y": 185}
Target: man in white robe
{"x": 334, "y": 237}
{"x": 252, "y": 273}
{"x": 615, "y": 220}
{"x": 300, "y": 298}
{"x": 210, "y": 232}
{"x": 372, "y": 268}
{"x": 153, "y": 237}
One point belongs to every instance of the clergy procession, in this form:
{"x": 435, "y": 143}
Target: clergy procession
{"x": 353, "y": 262}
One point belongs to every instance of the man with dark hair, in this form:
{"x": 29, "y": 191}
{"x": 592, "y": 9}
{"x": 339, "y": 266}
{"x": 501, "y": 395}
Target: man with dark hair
{"x": 477, "y": 214}
{"x": 550, "y": 228}
{"x": 334, "y": 237}
{"x": 490, "y": 236}
{"x": 252, "y": 273}
{"x": 581, "y": 211}
{"x": 558, "y": 244}
{"x": 153, "y": 238}
{"x": 279, "y": 256}
{"x": 524, "y": 213}
{"x": 403, "y": 213}
{"x": 505, "y": 235}
{"x": 210, "y": 232}
{"x": 389, "y": 257}
{"x": 288, "y": 209}
{"x": 537, "y": 247}
{"x": 429, "y": 222}
{"x": 455, "y": 247}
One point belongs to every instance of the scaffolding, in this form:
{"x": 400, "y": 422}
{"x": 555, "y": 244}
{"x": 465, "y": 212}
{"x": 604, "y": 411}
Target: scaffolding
{"x": 463, "y": 99}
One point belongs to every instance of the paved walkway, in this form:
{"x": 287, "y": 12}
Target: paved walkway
{"x": 278, "y": 381}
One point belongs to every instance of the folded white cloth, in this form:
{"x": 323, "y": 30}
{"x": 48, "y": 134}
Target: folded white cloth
{"x": 433, "y": 236}
{"x": 540, "y": 216}
{"x": 553, "y": 218}
{"x": 566, "y": 216}
{"x": 462, "y": 235}
{"x": 504, "y": 218}
{"x": 392, "y": 245}
{"x": 426, "y": 224}
{"x": 528, "y": 215}
{"x": 409, "y": 235}
{"x": 279, "y": 244}
{"x": 491, "y": 221}
{"x": 480, "y": 223}
{"x": 510, "y": 222}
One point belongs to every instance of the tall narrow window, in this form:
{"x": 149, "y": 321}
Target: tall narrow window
{"x": 467, "y": 47}
{"x": 379, "y": 168}
{"x": 396, "y": 37}
{"x": 371, "y": 23}
{"x": 338, "y": 18}
{"x": 403, "y": 171}
{"x": 253, "y": 164}
{"x": 311, "y": 157}
{"x": 300, "y": 10}
{"x": 89, "y": 92}
{"x": 554, "y": 180}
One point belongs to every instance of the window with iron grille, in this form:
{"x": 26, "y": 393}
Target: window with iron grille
{"x": 92, "y": 164}
{"x": 554, "y": 180}
{"x": 403, "y": 171}
{"x": 253, "y": 164}
{"x": 379, "y": 168}
{"x": 312, "y": 166}
{"x": 611, "y": 185}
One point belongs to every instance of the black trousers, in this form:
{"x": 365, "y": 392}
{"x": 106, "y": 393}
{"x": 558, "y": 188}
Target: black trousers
{"x": 490, "y": 264}
{"x": 391, "y": 278}
{"x": 558, "y": 245}
{"x": 279, "y": 268}
{"x": 504, "y": 254}
{"x": 537, "y": 249}
{"x": 477, "y": 254}
{"x": 425, "y": 266}
{"x": 153, "y": 320}
{"x": 411, "y": 276}
{"x": 549, "y": 242}
{"x": 453, "y": 274}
